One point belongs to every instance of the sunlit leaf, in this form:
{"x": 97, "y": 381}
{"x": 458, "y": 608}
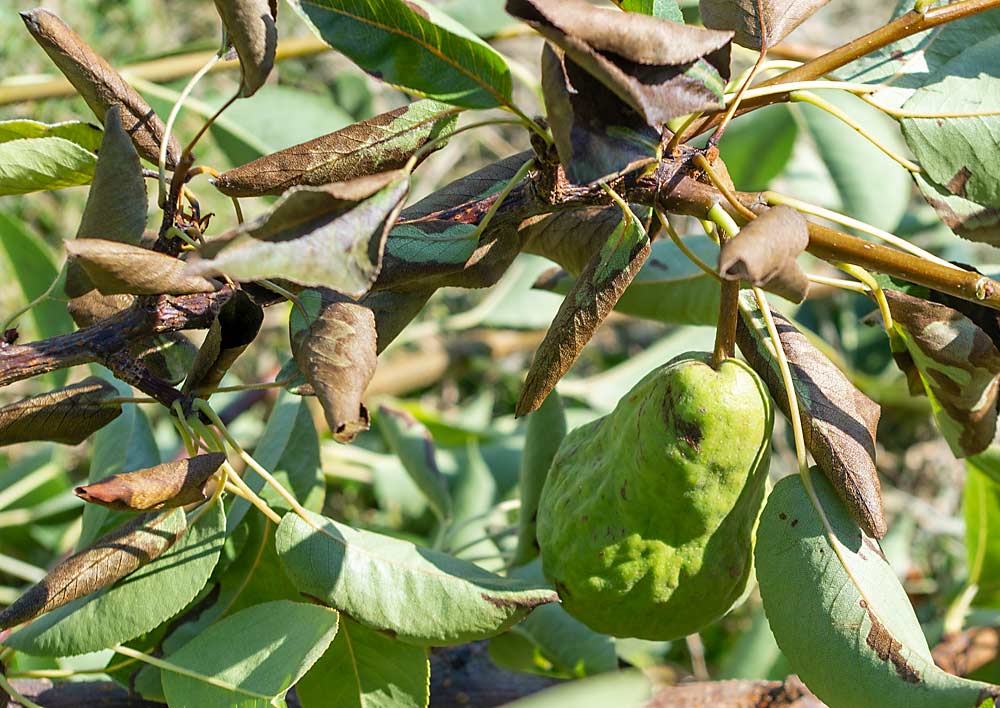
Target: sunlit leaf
{"x": 763, "y": 253}
{"x": 780, "y": 18}
{"x": 120, "y": 268}
{"x": 172, "y": 484}
{"x": 853, "y": 635}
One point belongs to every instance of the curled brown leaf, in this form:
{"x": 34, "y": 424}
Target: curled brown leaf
{"x": 838, "y": 420}
{"x": 99, "y": 84}
{"x": 121, "y": 268}
{"x": 334, "y": 344}
{"x": 68, "y": 415}
{"x": 642, "y": 59}
{"x": 112, "y": 557}
{"x": 764, "y": 252}
{"x": 250, "y": 27}
{"x": 379, "y": 144}
{"x": 229, "y": 335}
{"x": 591, "y": 299}
{"x": 780, "y": 18}
{"x": 169, "y": 485}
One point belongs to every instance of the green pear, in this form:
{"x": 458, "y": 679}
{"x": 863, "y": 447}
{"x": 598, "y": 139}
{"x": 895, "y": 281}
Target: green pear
{"x": 646, "y": 520}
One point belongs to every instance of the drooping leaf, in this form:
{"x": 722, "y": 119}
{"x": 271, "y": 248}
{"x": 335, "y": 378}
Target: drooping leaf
{"x": 661, "y": 69}
{"x": 664, "y": 9}
{"x": 981, "y": 506}
{"x": 764, "y": 252}
{"x": 99, "y": 84}
{"x": 83, "y": 134}
{"x": 413, "y": 46}
{"x": 333, "y": 343}
{"x": 116, "y": 203}
{"x": 172, "y": 484}
{"x": 38, "y": 164}
{"x": 379, "y": 144}
{"x": 474, "y": 495}
{"x": 259, "y": 653}
{"x": 839, "y": 613}
{"x": 597, "y": 135}
{"x": 120, "y": 268}
{"x": 110, "y": 559}
{"x": 231, "y": 333}
{"x": 591, "y": 300}
{"x": 371, "y": 670}
{"x": 329, "y": 236}
{"x": 570, "y": 236}
{"x": 68, "y": 415}
{"x": 250, "y": 27}
{"x": 419, "y": 249}
{"x": 780, "y": 18}
{"x": 289, "y": 450}
{"x": 571, "y": 649}
{"x": 411, "y": 442}
{"x": 958, "y": 365}
{"x": 149, "y": 596}
{"x": 457, "y": 601}
{"x": 838, "y": 420}
{"x": 546, "y": 430}
{"x": 668, "y": 288}
{"x": 966, "y": 218}
{"x": 126, "y": 444}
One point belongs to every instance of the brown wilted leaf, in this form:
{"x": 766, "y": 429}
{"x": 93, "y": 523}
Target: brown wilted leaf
{"x": 116, "y": 203}
{"x": 231, "y": 333}
{"x": 92, "y": 307}
{"x": 109, "y": 559}
{"x": 379, "y": 144}
{"x": 956, "y": 362}
{"x": 642, "y": 59}
{"x": 583, "y": 310}
{"x": 597, "y": 134}
{"x": 121, "y": 268}
{"x": 838, "y": 420}
{"x": 68, "y": 415}
{"x": 330, "y": 236}
{"x": 169, "y": 485}
{"x": 764, "y": 253}
{"x": 334, "y": 346}
{"x": 570, "y": 236}
{"x": 250, "y": 27}
{"x": 780, "y": 18}
{"x": 99, "y": 84}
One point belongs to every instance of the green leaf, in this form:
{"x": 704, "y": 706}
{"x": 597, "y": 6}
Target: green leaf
{"x": 878, "y": 193}
{"x": 135, "y": 605}
{"x": 959, "y": 154}
{"x": 474, "y": 493}
{"x": 85, "y": 135}
{"x": 371, "y": 670}
{"x": 484, "y": 17}
{"x": 981, "y": 503}
{"x": 378, "y": 144}
{"x": 125, "y": 445}
{"x": 622, "y": 689}
{"x": 34, "y": 267}
{"x": 421, "y": 51}
{"x": 668, "y": 288}
{"x": 546, "y": 430}
{"x": 258, "y": 653}
{"x": 330, "y": 236}
{"x": 38, "y": 164}
{"x": 350, "y": 570}
{"x": 758, "y": 146}
{"x": 664, "y": 9}
{"x": 410, "y": 440}
{"x": 838, "y": 611}
{"x": 289, "y": 450}
{"x": 571, "y": 648}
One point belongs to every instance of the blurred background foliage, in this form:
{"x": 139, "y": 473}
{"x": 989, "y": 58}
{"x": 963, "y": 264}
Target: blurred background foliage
{"x": 458, "y": 368}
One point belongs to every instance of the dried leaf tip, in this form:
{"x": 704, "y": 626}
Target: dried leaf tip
{"x": 764, "y": 252}
{"x": 169, "y": 485}
{"x": 99, "y": 84}
{"x": 250, "y": 27}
